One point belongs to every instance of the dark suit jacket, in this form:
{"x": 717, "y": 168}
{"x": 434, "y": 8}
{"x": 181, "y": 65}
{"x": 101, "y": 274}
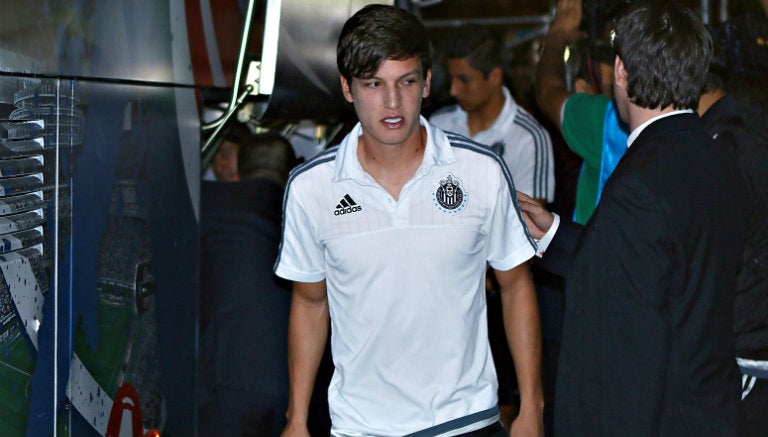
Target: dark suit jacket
{"x": 243, "y": 305}
{"x": 647, "y": 347}
{"x": 727, "y": 120}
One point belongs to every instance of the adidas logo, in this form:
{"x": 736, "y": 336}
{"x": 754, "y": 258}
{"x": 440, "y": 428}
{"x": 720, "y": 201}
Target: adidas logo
{"x": 347, "y": 206}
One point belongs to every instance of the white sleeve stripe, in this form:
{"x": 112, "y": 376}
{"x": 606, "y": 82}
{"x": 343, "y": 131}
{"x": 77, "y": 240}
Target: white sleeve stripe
{"x": 542, "y": 146}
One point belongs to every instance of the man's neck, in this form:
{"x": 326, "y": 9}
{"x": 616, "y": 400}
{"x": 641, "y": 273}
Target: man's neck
{"x": 392, "y": 165}
{"x": 708, "y": 99}
{"x": 638, "y": 115}
{"x": 483, "y": 117}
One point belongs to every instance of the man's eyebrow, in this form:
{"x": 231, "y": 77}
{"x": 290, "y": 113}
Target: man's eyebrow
{"x": 415, "y": 71}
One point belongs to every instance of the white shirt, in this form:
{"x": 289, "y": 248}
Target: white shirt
{"x": 406, "y": 281}
{"x": 524, "y": 144}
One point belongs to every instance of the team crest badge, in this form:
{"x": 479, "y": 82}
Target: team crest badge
{"x": 450, "y": 197}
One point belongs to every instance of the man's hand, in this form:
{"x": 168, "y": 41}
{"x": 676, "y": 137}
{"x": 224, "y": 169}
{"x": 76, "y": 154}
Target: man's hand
{"x": 295, "y": 431}
{"x": 538, "y": 219}
{"x": 567, "y": 18}
{"x": 528, "y": 425}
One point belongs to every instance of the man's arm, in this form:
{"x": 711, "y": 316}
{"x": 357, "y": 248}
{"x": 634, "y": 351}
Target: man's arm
{"x": 561, "y": 235}
{"x": 307, "y": 335}
{"x": 523, "y": 329}
{"x": 551, "y": 87}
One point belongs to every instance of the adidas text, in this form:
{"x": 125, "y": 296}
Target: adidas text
{"x": 347, "y": 210}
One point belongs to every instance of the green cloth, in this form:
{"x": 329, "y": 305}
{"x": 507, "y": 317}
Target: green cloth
{"x": 583, "y": 119}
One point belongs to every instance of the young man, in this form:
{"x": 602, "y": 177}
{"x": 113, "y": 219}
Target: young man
{"x": 388, "y": 236}
{"x": 648, "y": 347}
{"x": 487, "y": 113}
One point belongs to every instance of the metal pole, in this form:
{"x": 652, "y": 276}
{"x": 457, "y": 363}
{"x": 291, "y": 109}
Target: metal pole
{"x": 233, "y": 103}
{"x": 723, "y": 11}
{"x": 705, "y": 11}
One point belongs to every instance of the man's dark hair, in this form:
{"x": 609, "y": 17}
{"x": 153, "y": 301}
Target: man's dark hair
{"x": 666, "y": 51}
{"x": 377, "y": 33}
{"x": 476, "y": 44}
{"x": 267, "y": 155}
{"x": 237, "y": 132}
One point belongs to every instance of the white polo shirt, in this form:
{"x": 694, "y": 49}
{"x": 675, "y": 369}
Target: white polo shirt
{"x": 406, "y": 282}
{"x": 521, "y": 140}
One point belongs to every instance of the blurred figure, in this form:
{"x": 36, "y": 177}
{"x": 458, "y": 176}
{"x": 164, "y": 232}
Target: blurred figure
{"x": 487, "y": 113}
{"x": 224, "y": 163}
{"x": 590, "y": 123}
{"x": 740, "y": 128}
{"x": 243, "y": 380}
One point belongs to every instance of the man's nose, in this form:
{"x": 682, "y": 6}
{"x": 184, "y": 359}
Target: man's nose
{"x": 455, "y": 87}
{"x": 392, "y": 99}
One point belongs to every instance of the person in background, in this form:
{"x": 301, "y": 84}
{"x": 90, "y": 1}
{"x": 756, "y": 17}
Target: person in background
{"x": 243, "y": 377}
{"x": 224, "y": 163}
{"x": 387, "y": 238}
{"x": 737, "y": 123}
{"x": 590, "y": 123}
{"x": 487, "y": 113}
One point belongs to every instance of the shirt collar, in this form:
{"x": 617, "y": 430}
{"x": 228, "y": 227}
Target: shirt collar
{"x": 437, "y": 151}
{"x": 507, "y": 114}
{"x": 636, "y": 133}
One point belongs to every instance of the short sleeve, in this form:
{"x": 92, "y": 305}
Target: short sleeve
{"x": 300, "y": 257}
{"x": 509, "y": 242}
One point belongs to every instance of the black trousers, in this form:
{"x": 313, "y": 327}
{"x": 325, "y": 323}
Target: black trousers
{"x": 241, "y": 413}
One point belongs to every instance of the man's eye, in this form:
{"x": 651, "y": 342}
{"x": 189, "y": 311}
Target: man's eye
{"x": 409, "y": 81}
{"x": 372, "y": 84}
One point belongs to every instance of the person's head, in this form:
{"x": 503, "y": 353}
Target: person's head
{"x": 594, "y": 74}
{"x": 224, "y": 163}
{"x": 714, "y": 86}
{"x": 384, "y": 58}
{"x": 663, "y": 54}
{"x": 377, "y": 33}
{"x": 473, "y": 59}
{"x": 267, "y": 155}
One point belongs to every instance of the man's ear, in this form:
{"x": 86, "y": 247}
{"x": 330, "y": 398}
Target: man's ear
{"x": 496, "y": 76}
{"x": 620, "y": 76}
{"x": 346, "y": 89}
{"x": 427, "y": 84}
